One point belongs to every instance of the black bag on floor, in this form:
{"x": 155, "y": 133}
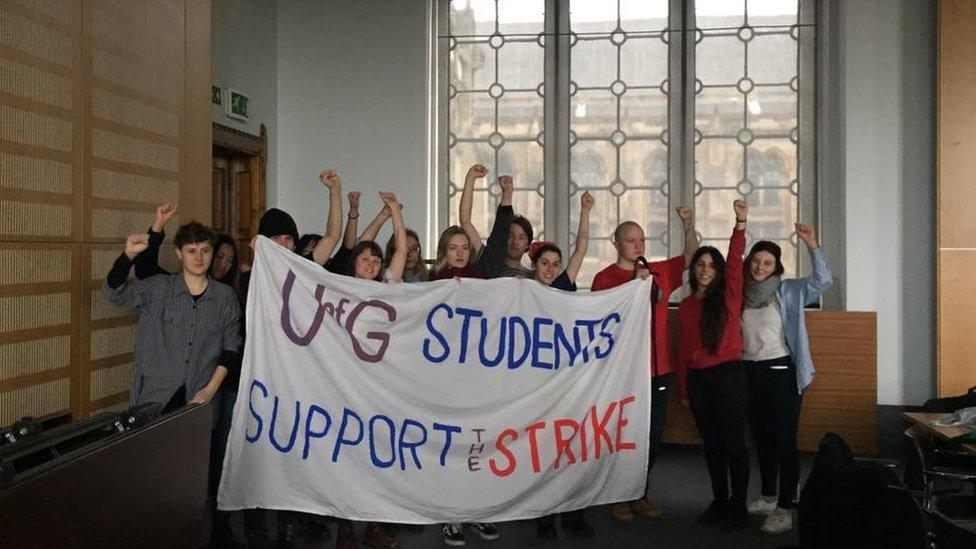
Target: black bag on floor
{"x": 850, "y": 503}
{"x": 951, "y": 404}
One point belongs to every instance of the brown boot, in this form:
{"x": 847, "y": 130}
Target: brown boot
{"x": 622, "y": 512}
{"x": 645, "y": 508}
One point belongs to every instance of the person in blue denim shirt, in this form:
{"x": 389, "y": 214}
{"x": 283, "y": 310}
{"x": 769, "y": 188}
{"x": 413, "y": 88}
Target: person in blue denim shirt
{"x": 776, "y": 356}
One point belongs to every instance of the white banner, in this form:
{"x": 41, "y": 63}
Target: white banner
{"x": 458, "y": 400}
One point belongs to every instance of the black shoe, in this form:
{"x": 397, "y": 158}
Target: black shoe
{"x": 736, "y": 517}
{"x": 580, "y": 528}
{"x": 546, "y": 530}
{"x": 714, "y": 513}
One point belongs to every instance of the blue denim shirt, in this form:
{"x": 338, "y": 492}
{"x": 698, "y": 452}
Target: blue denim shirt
{"x": 793, "y": 295}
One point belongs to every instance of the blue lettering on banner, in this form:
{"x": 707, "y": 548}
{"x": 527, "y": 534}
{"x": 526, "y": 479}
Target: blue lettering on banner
{"x": 387, "y": 440}
{"x": 544, "y": 342}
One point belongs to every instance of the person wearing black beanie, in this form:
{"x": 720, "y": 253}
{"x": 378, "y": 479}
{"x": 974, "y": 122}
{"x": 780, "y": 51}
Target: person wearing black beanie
{"x": 279, "y": 226}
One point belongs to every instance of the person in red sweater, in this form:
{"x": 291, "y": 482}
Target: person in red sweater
{"x": 628, "y": 239}
{"x": 711, "y": 377}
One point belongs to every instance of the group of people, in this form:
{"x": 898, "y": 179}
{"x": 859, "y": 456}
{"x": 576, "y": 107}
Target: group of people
{"x": 744, "y": 353}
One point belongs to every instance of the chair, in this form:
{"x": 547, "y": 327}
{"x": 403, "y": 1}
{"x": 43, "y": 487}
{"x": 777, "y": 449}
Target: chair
{"x": 945, "y": 476}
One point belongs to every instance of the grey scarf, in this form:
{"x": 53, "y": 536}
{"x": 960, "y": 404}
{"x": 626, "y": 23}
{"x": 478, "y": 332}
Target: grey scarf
{"x": 760, "y": 294}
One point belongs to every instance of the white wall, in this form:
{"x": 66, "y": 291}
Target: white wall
{"x": 244, "y": 43}
{"x": 889, "y": 58}
{"x": 352, "y": 95}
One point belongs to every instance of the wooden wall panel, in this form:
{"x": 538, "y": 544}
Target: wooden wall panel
{"x": 957, "y": 321}
{"x": 843, "y": 397}
{"x": 95, "y": 97}
{"x": 956, "y": 184}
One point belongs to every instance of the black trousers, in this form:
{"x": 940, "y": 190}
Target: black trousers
{"x": 659, "y": 406}
{"x": 718, "y": 396}
{"x": 774, "y": 414}
{"x": 567, "y": 517}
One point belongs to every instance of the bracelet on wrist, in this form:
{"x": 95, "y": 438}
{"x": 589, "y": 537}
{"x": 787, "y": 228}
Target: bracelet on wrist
{"x": 737, "y": 220}
{"x": 350, "y": 216}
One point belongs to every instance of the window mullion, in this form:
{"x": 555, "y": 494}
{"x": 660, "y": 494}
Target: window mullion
{"x": 557, "y": 122}
{"x": 681, "y": 115}
{"x": 806, "y": 161}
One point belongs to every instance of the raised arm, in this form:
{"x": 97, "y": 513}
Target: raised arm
{"x": 371, "y": 230}
{"x": 475, "y": 173}
{"x": 733, "y": 259}
{"x": 352, "y": 221}
{"x": 821, "y": 278}
{"x": 147, "y": 262}
{"x": 333, "y": 227}
{"x": 116, "y": 290}
{"x": 582, "y": 237}
{"x": 691, "y": 237}
{"x": 394, "y": 272}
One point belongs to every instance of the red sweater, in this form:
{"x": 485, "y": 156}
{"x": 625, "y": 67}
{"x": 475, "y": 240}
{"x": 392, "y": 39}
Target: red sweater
{"x": 667, "y": 278}
{"x": 468, "y": 271}
{"x": 692, "y": 353}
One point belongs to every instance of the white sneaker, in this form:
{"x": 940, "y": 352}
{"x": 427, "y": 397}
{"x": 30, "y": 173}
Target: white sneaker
{"x": 763, "y": 505}
{"x": 777, "y": 522}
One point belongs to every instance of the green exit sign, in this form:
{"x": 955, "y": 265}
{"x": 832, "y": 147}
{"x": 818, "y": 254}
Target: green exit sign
{"x": 236, "y": 104}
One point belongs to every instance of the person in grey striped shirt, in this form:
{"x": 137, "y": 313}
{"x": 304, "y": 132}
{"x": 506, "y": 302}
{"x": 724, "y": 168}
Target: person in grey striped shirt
{"x": 188, "y": 334}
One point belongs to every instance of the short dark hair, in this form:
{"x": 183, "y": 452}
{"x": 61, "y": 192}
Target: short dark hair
{"x": 525, "y": 224}
{"x": 771, "y": 248}
{"x": 365, "y": 246}
{"x": 194, "y": 232}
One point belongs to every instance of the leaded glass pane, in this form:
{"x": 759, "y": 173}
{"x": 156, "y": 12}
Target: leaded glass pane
{"x": 495, "y": 108}
{"x": 746, "y": 120}
{"x": 617, "y": 115}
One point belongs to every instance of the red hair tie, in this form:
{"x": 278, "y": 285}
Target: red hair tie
{"x": 534, "y": 247}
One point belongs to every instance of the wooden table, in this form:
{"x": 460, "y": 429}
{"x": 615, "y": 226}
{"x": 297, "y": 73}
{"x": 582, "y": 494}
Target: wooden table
{"x": 925, "y": 420}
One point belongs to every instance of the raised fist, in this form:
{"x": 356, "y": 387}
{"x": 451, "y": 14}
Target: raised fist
{"x": 806, "y": 234}
{"x": 506, "y": 183}
{"x": 477, "y": 171}
{"x": 389, "y": 201}
{"x": 741, "y": 209}
{"x": 163, "y": 213}
{"x": 586, "y": 201}
{"x": 353, "y": 200}
{"x": 685, "y": 213}
{"x": 330, "y": 179}
{"x": 136, "y": 243}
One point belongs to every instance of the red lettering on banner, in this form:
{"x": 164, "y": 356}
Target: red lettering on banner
{"x": 600, "y": 429}
{"x": 563, "y": 442}
{"x": 500, "y": 446}
{"x": 621, "y": 421}
{"x": 533, "y": 444}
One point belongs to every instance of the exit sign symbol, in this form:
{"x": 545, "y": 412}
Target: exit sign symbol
{"x": 236, "y": 104}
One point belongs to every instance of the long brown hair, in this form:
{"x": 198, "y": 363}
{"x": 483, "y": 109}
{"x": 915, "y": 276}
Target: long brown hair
{"x": 421, "y": 267}
{"x": 441, "y": 260}
{"x": 713, "y": 303}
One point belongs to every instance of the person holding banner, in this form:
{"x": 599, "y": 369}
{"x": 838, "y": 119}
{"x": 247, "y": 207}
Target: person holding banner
{"x": 546, "y": 260}
{"x": 414, "y": 270}
{"x": 280, "y": 227}
{"x": 454, "y": 250}
{"x": 776, "y": 358}
{"x": 547, "y": 257}
{"x": 710, "y": 372}
{"x": 628, "y": 239}
{"x": 366, "y": 257}
{"x": 510, "y": 234}
{"x": 458, "y": 244}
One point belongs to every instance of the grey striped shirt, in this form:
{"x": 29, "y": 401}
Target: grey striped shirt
{"x": 179, "y": 339}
